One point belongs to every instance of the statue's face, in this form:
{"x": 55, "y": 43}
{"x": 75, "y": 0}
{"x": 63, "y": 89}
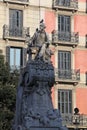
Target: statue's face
{"x": 42, "y": 27}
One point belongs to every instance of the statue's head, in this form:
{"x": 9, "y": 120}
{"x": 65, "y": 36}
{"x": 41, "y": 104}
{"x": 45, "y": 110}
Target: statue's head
{"x": 42, "y": 25}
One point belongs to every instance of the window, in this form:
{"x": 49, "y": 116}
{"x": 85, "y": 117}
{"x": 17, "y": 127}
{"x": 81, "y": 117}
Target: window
{"x": 16, "y": 57}
{"x": 64, "y": 2}
{"x": 64, "y": 64}
{"x": 65, "y": 101}
{"x": 64, "y": 28}
{"x": 15, "y": 22}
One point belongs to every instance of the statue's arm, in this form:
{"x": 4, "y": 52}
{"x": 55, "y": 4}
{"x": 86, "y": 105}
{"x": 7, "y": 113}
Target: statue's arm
{"x": 47, "y": 39}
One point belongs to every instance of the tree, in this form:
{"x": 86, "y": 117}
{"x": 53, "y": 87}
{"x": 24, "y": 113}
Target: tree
{"x": 8, "y": 83}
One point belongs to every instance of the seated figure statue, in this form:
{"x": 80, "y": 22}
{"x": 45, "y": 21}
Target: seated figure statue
{"x": 41, "y": 41}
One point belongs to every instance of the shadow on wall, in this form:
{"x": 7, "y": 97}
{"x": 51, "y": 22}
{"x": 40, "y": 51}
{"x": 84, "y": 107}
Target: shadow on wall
{"x": 86, "y": 77}
{"x": 86, "y": 40}
{"x": 86, "y": 6}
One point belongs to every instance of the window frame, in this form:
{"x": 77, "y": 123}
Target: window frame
{"x": 64, "y": 102}
{"x": 64, "y": 64}
{"x": 64, "y": 27}
{"x": 15, "y": 49}
{"x": 23, "y": 55}
{"x": 65, "y": 22}
{"x": 15, "y": 22}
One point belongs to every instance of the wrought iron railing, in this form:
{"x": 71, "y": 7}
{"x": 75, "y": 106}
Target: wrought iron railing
{"x": 18, "y": 0}
{"x": 73, "y": 75}
{"x": 66, "y": 3}
{"x": 73, "y": 120}
{"x": 15, "y": 68}
{"x": 23, "y": 0}
{"x": 65, "y": 37}
{"x": 60, "y": 74}
{"x": 15, "y": 32}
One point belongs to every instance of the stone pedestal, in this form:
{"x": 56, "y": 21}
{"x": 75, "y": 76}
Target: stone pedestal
{"x": 34, "y": 108}
{"x": 44, "y": 128}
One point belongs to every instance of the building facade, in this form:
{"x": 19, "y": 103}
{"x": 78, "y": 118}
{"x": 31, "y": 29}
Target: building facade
{"x": 66, "y": 24}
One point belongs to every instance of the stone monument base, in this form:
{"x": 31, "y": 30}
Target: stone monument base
{"x": 34, "y": 107}
{"x": 44, "y": 128}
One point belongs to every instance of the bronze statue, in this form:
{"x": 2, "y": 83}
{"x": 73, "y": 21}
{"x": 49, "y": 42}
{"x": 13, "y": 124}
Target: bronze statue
{"x": 34, "y": 108}
{"x": 40, "y": 40}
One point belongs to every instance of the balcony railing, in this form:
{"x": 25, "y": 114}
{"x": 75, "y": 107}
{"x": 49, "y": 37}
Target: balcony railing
{"x": 65, "y": 38}
{"x": 14, "y": 68}
{"x": 66, "y": 4}
{"x": 72, "y": 76}
{"x": 15, "y": 33}
{"x": 25, "y": 2}
{"x": 79, "y": 121}
{"x": 60, "y": 75}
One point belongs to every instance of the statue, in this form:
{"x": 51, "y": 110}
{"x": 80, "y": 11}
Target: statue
{"x": 34, "y": 108}
{"x": 40, "y": 40}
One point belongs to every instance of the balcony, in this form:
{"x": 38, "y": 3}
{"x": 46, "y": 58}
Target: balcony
{"x": 75, "y": 121}
{"x": 67, "y": 76}
{"x": 66, "y": 5}
{"x": 21, "y": 2}
{"x": 15, "y": 68}
{"x": 15, "y": 33}
{"x": 65, "y": 38}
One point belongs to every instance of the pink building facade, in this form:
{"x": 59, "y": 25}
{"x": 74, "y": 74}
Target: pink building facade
{"x": 66, "y": 24}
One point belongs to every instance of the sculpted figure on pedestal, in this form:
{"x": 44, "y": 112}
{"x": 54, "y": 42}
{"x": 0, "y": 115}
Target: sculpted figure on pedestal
{"x": 34, "y": 106}
{"x": 40, "y": 40}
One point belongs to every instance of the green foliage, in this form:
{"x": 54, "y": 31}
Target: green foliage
{"x": 8, "y": 83}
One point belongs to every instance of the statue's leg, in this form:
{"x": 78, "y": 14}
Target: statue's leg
{"x": 42, "y": 51}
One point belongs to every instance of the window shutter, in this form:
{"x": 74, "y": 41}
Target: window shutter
{"x": 64, "y": 60}
{"x": 65, "y": 101}
{"x": 8, "y": 54}
{"x": 11, "y": 18}
{"x": 64, "y": 23}
{"x": 20, "y": 18}
{"x": 20, "y": 22}
{"x": 24, "y": 56}
{"x": 15, "y": 22}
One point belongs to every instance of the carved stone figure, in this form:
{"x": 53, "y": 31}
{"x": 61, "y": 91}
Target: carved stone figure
{"x": 40, "y": 40}
{"x": 34, "y": 108}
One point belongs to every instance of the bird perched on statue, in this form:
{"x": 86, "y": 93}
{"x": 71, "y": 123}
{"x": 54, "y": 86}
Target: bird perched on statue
{"x": 42, "y": 24}
{"x": 41, "y": 21}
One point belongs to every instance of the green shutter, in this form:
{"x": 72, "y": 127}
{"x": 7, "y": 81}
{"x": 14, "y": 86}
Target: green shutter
{"x": 24, "y": 50}
{"x": 8, "y": 54}
{"x": 15, "y": 22}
